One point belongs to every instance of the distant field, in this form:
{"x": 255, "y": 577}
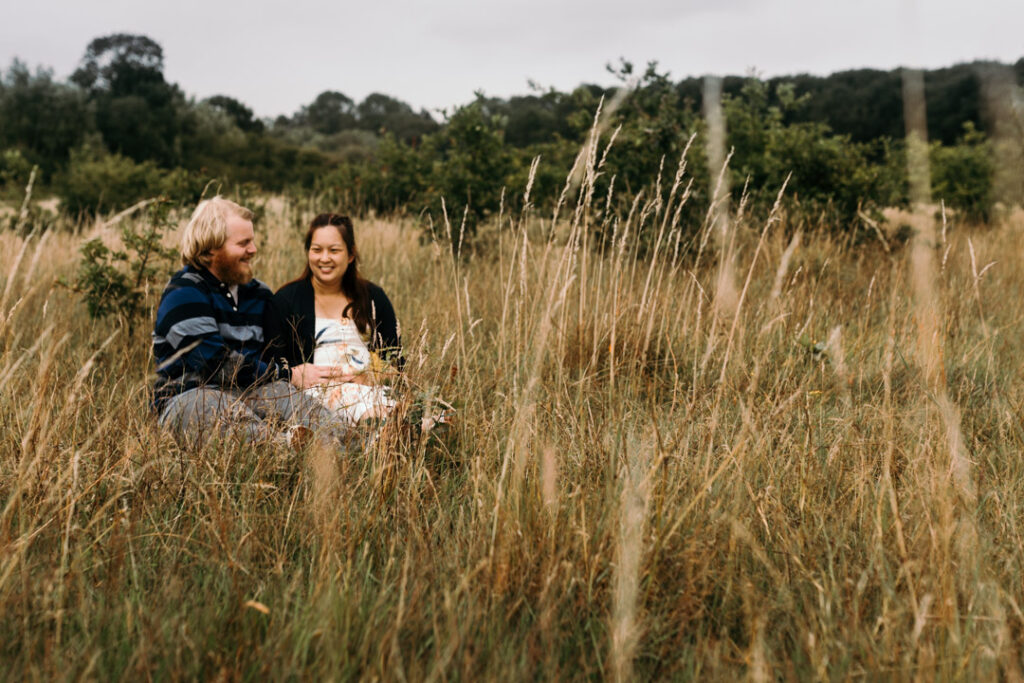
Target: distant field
{"x": 818, "y": 478}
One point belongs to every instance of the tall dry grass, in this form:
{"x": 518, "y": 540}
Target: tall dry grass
{"x": 640, "y": 484}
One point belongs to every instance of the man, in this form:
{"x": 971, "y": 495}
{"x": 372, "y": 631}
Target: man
{"x": 208, "y": 343}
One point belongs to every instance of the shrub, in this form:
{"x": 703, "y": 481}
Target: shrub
{"x": 114, "y": 282}
{"x": 106, "y": 182}
{"x": 471, "y": 166}
{"x": 962, "y": 174}
{"x": 183, "y": 187}
{"x": 15, "y": 170}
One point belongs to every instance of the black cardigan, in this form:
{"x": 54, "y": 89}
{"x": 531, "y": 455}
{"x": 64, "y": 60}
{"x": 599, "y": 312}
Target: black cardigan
{"x": 290, "y": 325}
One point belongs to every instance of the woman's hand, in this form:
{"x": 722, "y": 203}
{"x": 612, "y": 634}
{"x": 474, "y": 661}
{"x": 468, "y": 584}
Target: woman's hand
{"x": 308, "y": 375}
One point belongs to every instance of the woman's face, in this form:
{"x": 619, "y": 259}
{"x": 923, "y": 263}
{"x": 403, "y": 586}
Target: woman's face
{"x": 328, "y": 256}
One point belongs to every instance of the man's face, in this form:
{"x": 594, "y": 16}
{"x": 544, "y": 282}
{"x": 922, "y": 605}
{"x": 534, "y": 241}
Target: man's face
{"x": 230, "y": 262}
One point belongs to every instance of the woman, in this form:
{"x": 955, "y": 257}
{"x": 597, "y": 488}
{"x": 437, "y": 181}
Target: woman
{"x": 332, "y": 316}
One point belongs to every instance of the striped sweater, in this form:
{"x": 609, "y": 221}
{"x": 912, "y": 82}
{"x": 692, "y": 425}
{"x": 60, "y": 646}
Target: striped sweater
{"x": 203, "y": 337}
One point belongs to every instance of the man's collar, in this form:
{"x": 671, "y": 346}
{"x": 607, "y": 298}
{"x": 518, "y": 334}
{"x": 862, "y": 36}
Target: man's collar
{"x": 216, "y": 283}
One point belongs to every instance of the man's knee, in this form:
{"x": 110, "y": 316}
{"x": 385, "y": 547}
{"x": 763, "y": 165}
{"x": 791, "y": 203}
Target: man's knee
{"x": 196, "y": 405}
{"x": 198, "y": 414}
{"x": 284, "y": 401}
{"x": 195, "y": 415}
{"x": 280, "y": 400}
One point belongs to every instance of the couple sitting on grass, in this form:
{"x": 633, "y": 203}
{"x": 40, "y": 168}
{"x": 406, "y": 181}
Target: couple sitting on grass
{"x": 233, "y": 356}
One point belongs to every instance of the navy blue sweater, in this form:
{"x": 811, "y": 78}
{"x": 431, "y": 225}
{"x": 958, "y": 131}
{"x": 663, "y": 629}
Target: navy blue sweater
{"x": 203, "y": 337}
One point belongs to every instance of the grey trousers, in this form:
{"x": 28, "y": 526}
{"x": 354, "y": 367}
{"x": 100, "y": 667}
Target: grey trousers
{"x": 260, "y": 413}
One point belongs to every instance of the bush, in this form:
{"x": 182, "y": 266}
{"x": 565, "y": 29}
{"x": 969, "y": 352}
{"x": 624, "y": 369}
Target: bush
{"x": 114, "y": 282}
{"x": 471, "y": 166}
{"x": 111, "y": 182}
{"x": 831, "y": 177}
{"x": 183, "y": 187}
{"x": 15, "y": 170}
{"x": 106, "y": 182}
{"x": 962, "y": 174}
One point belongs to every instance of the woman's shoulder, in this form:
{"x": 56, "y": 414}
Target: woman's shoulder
{"x": 376, "y": 291}
{"x": 292, "y": 291}
{"x": 378, "y": 297}
{"x": 294, "y": 299}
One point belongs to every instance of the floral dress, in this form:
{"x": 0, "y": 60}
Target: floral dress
{"x": 339, "y": 344}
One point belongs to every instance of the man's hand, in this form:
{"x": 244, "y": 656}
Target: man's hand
{"x": 308, "y": 375}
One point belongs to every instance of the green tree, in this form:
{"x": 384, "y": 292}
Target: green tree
{"x": 656, "y": 125}
{"x": 120, "y": 63}
{"x": 331, "y": 112}
{"x": 382, "y": 113}
{"x": 831, "y": 177}
{"x": 136, "y": 109}
{"x": 865, "y": 104}
{"x": 533, "y": 119}
{"x": 40, "y": 117}
{"x": 238, "y": 112}
{"x": 211, "y": 141}
{"x": 471, "y": 165}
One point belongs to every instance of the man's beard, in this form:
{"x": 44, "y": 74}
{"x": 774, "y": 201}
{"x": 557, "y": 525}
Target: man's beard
{"x": 233, "y": 273}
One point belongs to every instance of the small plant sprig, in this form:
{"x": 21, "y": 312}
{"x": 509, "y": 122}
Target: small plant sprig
{"x": 114, "y": 281}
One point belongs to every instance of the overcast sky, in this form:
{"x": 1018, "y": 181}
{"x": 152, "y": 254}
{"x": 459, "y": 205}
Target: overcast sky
{"x": 276, "y": 56}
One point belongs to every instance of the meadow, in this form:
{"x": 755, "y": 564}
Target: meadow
{"x": 767, "y": 453}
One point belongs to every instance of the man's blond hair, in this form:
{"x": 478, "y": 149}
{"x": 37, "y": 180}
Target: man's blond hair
{"x": 208, "y": 229}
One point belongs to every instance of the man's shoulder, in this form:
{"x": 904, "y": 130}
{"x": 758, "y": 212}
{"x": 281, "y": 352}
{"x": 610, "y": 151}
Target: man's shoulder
{"x": 186, "y": 285}
{"x": 188, "y": 278}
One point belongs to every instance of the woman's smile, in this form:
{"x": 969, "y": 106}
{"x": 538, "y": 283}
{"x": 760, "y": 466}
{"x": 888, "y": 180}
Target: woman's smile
{"x": 328, "y": 256}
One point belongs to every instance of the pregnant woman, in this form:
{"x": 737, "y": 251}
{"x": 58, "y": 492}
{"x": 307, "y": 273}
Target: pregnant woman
{"x": 332, "y": 316}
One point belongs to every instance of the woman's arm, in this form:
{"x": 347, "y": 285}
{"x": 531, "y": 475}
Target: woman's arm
{"x": 275, "y": 344}
{"x": 285, "y": 325}
{"x": 282, "y": 343}
{"x": 385, "y": 338}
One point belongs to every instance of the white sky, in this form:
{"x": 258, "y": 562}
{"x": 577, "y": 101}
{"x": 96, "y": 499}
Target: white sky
{"x": 277, "y": 56}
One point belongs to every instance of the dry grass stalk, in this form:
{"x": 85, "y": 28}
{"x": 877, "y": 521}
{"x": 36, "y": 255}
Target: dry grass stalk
{"x": 626, "y": 615}
{"x": 874, "y": 521}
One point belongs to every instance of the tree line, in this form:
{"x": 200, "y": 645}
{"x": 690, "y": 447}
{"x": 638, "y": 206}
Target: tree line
{"x": 117, "y": 131}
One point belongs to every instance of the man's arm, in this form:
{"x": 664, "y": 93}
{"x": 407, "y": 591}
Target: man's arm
{"x": 187, "y": 340}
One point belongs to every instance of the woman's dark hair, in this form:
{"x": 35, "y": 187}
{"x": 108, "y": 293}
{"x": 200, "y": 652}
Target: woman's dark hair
{"x": 353, "y": 285}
